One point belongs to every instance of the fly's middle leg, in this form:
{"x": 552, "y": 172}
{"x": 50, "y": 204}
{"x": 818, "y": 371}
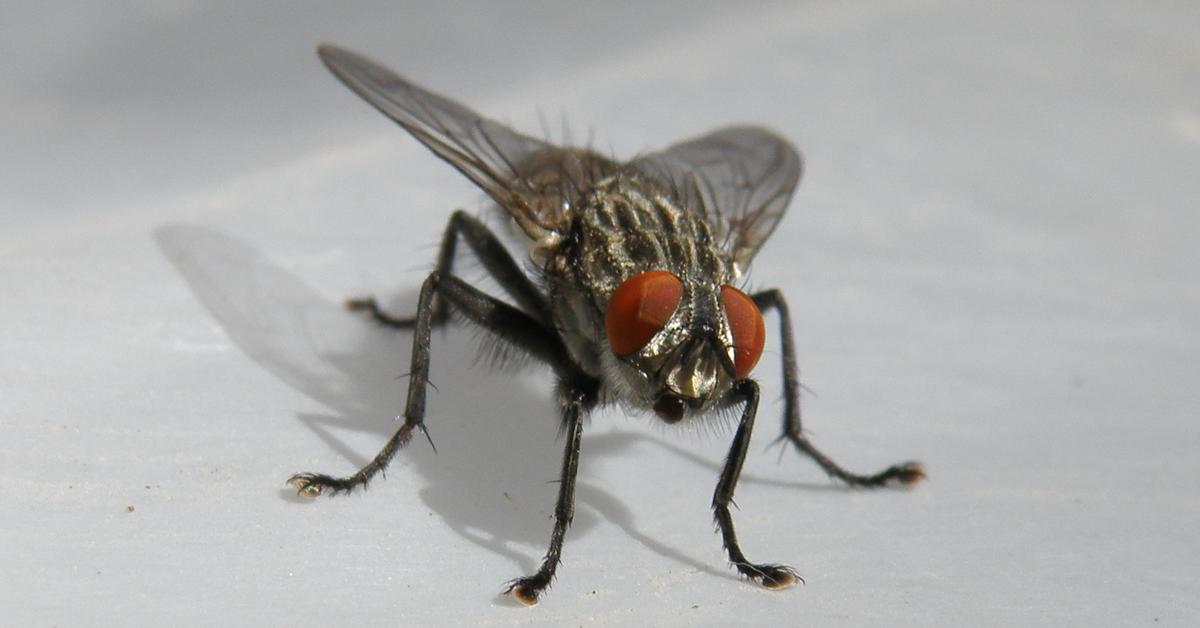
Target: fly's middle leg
{"x": 906, "y": 473}
{"x": 507, "y": 322}
{"x": 495, "y": 258}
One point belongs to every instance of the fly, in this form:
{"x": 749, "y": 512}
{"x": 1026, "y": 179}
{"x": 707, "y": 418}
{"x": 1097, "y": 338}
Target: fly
{"x": 633, "y": 300}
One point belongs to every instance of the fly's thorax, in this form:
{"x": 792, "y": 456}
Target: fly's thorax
{"x": 627, "y": 225}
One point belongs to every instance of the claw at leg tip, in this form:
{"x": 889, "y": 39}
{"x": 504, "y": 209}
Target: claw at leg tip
{"x": 781, "y": 579}
{"x": 304, "y": 487}
{"x": 522, "y": 594}
{"x": 912, "y": 474}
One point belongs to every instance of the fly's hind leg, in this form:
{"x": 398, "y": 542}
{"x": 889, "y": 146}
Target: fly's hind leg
{"x": 509, "y": 323}
{"x": 907, "y": 473}
{"x": 496, "y": 259}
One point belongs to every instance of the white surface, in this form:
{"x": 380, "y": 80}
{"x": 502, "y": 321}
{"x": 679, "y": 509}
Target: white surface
{"x": 991, "y": 262}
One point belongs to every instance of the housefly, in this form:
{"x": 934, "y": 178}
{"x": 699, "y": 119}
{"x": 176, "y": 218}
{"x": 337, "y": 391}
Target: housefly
{"x": 633, "y": 298}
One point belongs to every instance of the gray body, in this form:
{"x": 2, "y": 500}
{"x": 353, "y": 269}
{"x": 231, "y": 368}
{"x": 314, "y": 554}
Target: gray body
{"x": 624, "y": 225}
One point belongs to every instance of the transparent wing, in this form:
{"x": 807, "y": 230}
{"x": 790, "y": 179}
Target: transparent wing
{"x": 739, "y": 178}
{"x": 512, "y": 168}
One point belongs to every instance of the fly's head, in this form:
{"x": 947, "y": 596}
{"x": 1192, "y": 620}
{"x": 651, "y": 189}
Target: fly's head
{"x": 678, "y": 346}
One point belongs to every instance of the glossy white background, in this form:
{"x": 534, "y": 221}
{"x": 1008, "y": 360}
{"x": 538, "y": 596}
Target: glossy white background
{"x": 991, "y": 262}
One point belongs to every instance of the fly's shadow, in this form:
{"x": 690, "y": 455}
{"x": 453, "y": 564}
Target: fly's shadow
{"x": 490, "y": 480}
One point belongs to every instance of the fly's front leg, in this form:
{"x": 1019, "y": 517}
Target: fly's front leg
{"x": 907, "y": 473}
{"x": 498, "y": 317}
{"x": 527, "y": 589}
{"x": 496, "y": 259}
{"x": 769, "y": 575}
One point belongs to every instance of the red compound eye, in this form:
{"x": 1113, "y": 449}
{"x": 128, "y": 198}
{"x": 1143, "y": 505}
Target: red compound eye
{"x": 639, "y": 307}
{"x": 749, "y": 333}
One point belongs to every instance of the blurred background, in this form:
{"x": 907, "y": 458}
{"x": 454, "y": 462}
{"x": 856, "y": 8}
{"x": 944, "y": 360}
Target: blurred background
{"x": 991, "y": 263}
